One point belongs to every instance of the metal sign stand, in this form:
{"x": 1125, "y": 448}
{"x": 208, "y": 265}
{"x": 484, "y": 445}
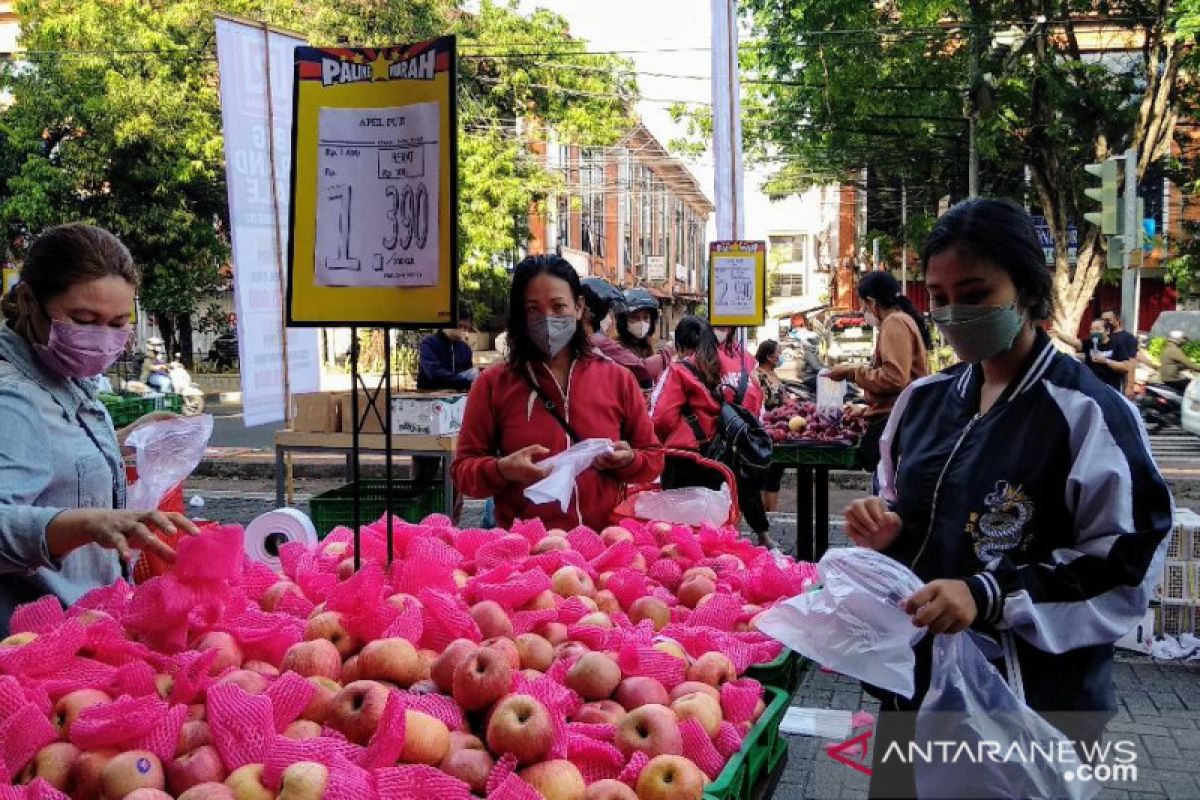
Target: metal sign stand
{"x": 360, "y": 417}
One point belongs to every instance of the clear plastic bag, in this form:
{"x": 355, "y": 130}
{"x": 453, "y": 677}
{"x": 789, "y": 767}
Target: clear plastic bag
{"x": 691, "y": 505}
{"x": 167, "y": 452}
{"x": 970, "y": 705}
{"x": 565, "y": 467}
{"x": 854, "y": 622}
{"x": 831, "y": 395}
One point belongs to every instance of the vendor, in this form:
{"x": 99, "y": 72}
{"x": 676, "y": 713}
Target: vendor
{"x": 552, "y": 392}
{"x": 1017, "y": 485}
{"x": 637, "y": 321}
{"x": 61, "y": 474}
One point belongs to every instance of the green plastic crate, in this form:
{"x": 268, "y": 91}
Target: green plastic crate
{"x": 751, "y": 765}
{"x": 816, "y": 455}
{"x": 410, "y": 501}
{"x": 782, "y": 673}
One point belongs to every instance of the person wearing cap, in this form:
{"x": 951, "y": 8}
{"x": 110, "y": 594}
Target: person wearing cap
{"x": 155, "y": 372}
{"x": 605, "y": 303}
{"x": 636, "y": 324}
{"x": 1173, "y": 361}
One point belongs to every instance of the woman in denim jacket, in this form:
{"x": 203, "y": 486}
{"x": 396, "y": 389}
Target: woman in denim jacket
{"x": 62, "y": 481}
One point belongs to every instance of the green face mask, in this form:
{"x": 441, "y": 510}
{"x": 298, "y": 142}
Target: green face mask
{"x": 978, "y": 333}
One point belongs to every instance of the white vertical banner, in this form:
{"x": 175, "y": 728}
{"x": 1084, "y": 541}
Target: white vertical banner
{"x": 257, "y": 122}
{"x": 727, "y": 120}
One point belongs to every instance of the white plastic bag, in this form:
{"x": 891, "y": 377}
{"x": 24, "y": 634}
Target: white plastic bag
{"x": 831, "y": 395}
{"x": 167, "y": 452}
{"x": 565, "y": 467}
{"x": 691, "y": 505}
{"x": 854, "y": 623}
{"x": 970, "y": 705}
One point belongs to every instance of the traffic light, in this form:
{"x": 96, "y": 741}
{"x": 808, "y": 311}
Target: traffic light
{"x": 1109, "y": 215}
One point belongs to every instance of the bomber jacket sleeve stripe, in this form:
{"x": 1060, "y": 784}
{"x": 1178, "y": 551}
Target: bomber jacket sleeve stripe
{"x": 1095, "y": 591}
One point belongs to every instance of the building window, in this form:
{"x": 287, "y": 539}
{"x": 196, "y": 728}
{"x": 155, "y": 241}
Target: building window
{"x": 679, "y": 255}
{"x": 625, "y": 210}
{"x": 591, "y": 173}
{"x": 563, "y": 217}
{"x": 790, "y": 285}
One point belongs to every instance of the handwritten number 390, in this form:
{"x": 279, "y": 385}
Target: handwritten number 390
{"x": 409, "y": 215}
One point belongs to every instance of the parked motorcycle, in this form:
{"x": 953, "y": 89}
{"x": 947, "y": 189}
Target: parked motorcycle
{"x": 1161, "y": 407}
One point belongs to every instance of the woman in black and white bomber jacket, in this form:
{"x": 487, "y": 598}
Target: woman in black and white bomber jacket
{"x": 1017, "y": 485}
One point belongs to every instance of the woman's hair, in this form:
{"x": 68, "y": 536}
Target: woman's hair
{"x": 521, "y": 349}
{"x": 730, "y": 345}
{"x": 694, "y": 337}
{"x": 66, "y": 255}
{"x": 1000, "y": 233}
{"x": 884, "y": 289}
{"x": 765, "y": 350}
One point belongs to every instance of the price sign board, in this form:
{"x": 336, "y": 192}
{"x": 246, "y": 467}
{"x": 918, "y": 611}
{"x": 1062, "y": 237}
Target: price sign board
{"x": 737, "y": 286}
{"x": 374, "y": 187}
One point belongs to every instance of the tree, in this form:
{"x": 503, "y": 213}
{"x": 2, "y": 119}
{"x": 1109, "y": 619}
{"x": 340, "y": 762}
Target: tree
{"x": 839, "y": 87}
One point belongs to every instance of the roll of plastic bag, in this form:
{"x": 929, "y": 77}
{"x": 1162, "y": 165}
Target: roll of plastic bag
{"x": 270, "y": 531}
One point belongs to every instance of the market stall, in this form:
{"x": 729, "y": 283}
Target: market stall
{"x": 813, "y": 462}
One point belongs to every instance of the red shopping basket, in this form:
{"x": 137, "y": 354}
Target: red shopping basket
{"x": 625, "y": 510}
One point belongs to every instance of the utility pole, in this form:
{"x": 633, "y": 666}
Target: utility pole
{"x": 1131, "y": 239}
{"x": 974, "y": 79}
{"x": 904, "y": 237}
{"x": 727, "y": 120}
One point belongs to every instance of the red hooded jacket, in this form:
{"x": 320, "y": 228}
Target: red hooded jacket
{"x": 503, "y": 415}
{"x": 679, "y": 391}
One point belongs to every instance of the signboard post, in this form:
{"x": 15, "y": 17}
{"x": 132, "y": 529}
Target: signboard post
{"x": 656, "y": 268}
{"x": 1047, "y": 240}
{"x": 737, "y": 286}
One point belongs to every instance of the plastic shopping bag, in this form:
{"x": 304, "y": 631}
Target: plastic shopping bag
{"x": 167, "y": 452}
{"x": 970, "y": 706}
{"x": 691, "y": 505}
{"x": 831, "y": 395}
{"x": 565, "y": 467}
{"x": 854, "y": 622}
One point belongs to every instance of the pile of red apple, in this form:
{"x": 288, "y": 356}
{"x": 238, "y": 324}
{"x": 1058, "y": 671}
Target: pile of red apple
{"x": 796, "y": 422}
{"x": 512, "y": 665}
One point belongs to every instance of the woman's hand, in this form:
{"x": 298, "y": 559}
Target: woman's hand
{"x": 943, "y": 606}
{"x": 620, "y": 457}
{"x": 145, "y": 419}
{"x": 122, "y": 531}
{"x": 840, "y": 373}
{"x": 519, "y": 467}
{"x": 870, "y": 524}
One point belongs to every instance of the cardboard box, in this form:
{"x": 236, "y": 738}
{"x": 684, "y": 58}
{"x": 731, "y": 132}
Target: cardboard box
{"x": 428, "y": 413}
{"x": 315, "y": 412}
{"x": 371, "y": 424}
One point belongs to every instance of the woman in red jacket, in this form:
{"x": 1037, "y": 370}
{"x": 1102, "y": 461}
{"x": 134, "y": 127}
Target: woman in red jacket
{"x": 552, "y": 391}
{"x": 685, "y": 409}
{"x": 735, "y": 362}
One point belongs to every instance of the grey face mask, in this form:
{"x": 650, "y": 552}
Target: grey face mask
{"x": 978, "y": 333}
{"x": 552, "y": 334}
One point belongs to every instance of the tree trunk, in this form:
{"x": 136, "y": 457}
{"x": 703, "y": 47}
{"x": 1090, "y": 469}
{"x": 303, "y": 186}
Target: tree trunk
{"x": 166, "y": 327}
{"x": 183, "y": 323}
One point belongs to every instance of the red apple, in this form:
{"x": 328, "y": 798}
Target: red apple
{"x": 304, "y": 780}
{"x": 208, "y": 791}
{"x": 650, "y": 729}
{"x": 651, "y": 608}
{"x": 614, "y": 533}
{"x": 252, "y": 682}
{"x": 202, "y": 765}
{"x": 553, "y": 632}
{"x": 335, "y": 549}
{"x": 318, "y": 658}
{"x": 229, "y": 652}
{"x": 601, "y": 712}
{"x": 536, "y": 651}
{"x": 556, "y": 780}
{"x": 392, "y": 660}
{"x": 425, "y": 659}
{"x": 521, "y": 725}
{"x": 482, "y": 679}
{"x": 192, "y": 736}
{"x": 492, "y": 619}
{"x": 262, "y": 668}
{"x": 460, "y": 740}
{"x": 607, "y": 602}
{"x": 702, "y": 708}
{"x": 673, "y": 648}
{"x": 597, "y": 619}
{"x": 639, "y": 691}
{"x": 712, "y": 668}
{"x": 302, "y": 730}
{"x": 148, "y": 794}
{"x": 350, "y": 672}
{"x": 274, "y": 595}
{"x": 692, "y": 687}
{"x": 133, "y": 769}
{"x": 86, "y": 775}
{"x": 426, "y": 739}
{"x": 569, "y": 650}
{"x": 319, "y": 706}
{"x": 401, "y": 601}
{"x": 471, "y": 766}
{"x": 707, "y": 572}
{"x": 594, "y": 676}
{"x": 345, "y": 569}
{"x": 424, "y": 687}
{"x": 246, "y": 783}
{"x": 551, "y": 544}
{"x": 18, "y": 639}
{"x": 445, "y": 665}
{"x": 54, "y": 764}
{"x": 692, "y": 590}
{"x": 506, "y": 646}
{"x": 670, "y": 777}
{"x": 571, "y": 581}
{"x": 71, "y": 705}
{"x": 357, "y": 709}
{"x": 331, "y": 626}
{"x": 197, "y": 712}
{"x": 609, "y": 789}
{"x": 541, "y": 601}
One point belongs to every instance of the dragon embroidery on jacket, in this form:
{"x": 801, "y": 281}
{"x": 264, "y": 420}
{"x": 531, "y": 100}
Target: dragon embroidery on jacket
{"x": 1000, "y": 529}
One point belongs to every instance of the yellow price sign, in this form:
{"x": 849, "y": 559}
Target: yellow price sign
{"x": 737, "y": 285}
{"x": 374, "y": 212}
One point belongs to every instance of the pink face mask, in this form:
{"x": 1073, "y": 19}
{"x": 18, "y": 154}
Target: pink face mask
{"x": 81, "y": 351}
